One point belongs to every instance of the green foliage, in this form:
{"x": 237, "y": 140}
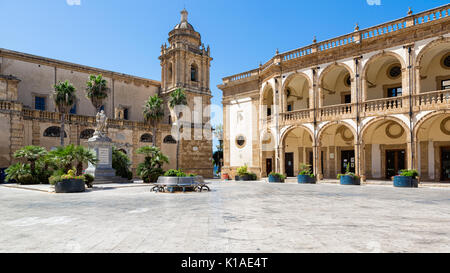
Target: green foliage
{"x": 82, "y": 155}
{"x": 16, "y": 172}
{"x": 348, "y": 173}
{"x": 177, "y": 97}
{"x": 64, "y": 96}
{"x": 175, "y": 173}
{"x": 121, "y": 163}
{"x": 31, "y": 154}
{"x": 71, "y": 174}
{"x": 96, "y": 90}
{"x": 153, "y": 110}
{"x": 305, "y": 169}
{"x": 241, "y": 171}
{"x": 151, "y": 168}
{"x": 279, "y": 175}
{"x": 409, "y": 173}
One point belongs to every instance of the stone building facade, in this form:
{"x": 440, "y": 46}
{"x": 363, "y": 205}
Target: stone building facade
{"x": 28, "y": 115}
{"x": 377, "y": 99}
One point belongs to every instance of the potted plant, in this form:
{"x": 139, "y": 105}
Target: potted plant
{"x": 68, "y": 183}
{"x": 276, "y": 177}
{"x": 242, "y": 174}
{"x": 407, "y": 179}
{"x": 305, "y": 175}
{"x": 349, "y": 178}
{"x": 225, "y": 176}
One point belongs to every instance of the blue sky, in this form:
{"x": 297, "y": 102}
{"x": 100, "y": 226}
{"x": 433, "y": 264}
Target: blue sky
{"x": 126, "y": 36}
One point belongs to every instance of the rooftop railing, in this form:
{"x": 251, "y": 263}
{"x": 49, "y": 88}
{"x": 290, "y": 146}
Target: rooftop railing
{"x": 355, "y": 37}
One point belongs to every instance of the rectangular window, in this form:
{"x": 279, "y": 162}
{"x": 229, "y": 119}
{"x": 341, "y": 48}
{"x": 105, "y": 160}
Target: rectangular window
{"x": 125, "y": 113}
{"x": 289, "y": 107}
{"x": 394, "y": 92}
{"x": 445, "y": 84}
{"x": 347, "y": 98}
{"x": 39, "y": 103}
{"x": 73, "y": 111}
{"x": 269, "y": 112}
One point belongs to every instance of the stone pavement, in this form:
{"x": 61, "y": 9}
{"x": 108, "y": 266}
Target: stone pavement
{"x": 234, "y": 217}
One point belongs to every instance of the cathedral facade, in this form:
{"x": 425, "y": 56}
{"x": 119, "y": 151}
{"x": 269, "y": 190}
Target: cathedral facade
{"x": 28, "y": 115}
{"x": 375, "y": 101}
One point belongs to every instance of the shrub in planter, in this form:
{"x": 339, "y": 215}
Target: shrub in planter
{"x": 349, "y": 178}
{"x": 305, "y": 175}
{"x": 407, "y": 179}
{"x": 276, "y": 177}
{"x": 244, "y": 175}
{"x": 69, "y": 183}
{"x": 175, "y": 173}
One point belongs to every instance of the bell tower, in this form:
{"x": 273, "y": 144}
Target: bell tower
{"x": 185, "y": 64}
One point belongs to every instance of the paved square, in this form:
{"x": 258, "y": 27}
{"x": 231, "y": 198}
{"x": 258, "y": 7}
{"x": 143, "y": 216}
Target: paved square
{"x": 234, "y": 217}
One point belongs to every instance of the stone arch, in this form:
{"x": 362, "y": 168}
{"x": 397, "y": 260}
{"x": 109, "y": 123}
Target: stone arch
{"x": 169, "y": 140}
{"x": 293, "y": 127}
{"x": 430, "y": 45}
{"x": 375, "y": 120}
{"x": 430, "y": 70}
{"x": 146, "y": 138}
{"x": 288, "y": 81}
{"x": 426, "y": 118}
{"x": 296, "y": 74}
{"x": 53, "y": 131}
{"x": 326, "y": 72}
{"x": 371, "y": 61}
{"x": 329, "y": 124}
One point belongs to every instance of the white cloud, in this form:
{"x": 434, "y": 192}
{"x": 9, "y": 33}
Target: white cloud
{"x": 73, "y": 2}
{"x": 373, "y": 2}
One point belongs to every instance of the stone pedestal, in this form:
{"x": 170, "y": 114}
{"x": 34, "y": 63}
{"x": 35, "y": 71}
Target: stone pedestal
{"x": 103, "y": 171}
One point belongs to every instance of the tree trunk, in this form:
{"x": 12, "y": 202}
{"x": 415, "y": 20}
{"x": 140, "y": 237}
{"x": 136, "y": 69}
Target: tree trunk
{"x": 154, "y": 136}
{"x": 79, "y": 168}
{"x": 61, "y": 132}
{"x": 178, "y": 143}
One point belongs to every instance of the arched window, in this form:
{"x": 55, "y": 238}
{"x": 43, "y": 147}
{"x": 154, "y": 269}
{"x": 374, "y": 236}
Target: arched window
{"x": 87, "y": 134}
{"x": 169, "y": 140}
{"x": 53, "y": 131}
{"x": 194, "y": 70}
{"x": 147, "y": 138}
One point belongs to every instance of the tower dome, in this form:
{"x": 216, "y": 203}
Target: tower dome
{"x": 184, "y": 24}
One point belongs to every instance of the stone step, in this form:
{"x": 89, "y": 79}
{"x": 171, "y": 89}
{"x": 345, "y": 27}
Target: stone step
{"x": 112, "y": 179}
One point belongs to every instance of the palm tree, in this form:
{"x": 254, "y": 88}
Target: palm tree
{"x": 31, "y": 154}
{"x": 153, "y": 113}
{"x": 151, "y": 168}
{"x": 83, "y": 155}
{"x": 96, "y": 90}
{"x": 64, "y": 97}
{"x": 177, "y": 97}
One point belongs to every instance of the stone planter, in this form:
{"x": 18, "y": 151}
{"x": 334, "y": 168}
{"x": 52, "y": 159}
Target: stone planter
{"x": 243, "y": 178}
{"x": 275, "y": 179}
{"x": 350, "y": 180}
{"x": 306, "y": 179}
{"x": 405, "y": 182}
{"x": 70, "y": 186}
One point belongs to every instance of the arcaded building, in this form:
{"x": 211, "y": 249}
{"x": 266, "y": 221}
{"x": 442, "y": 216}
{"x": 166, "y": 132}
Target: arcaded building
{"x": 377, "y": 99}
{"x": 28, "y": 115}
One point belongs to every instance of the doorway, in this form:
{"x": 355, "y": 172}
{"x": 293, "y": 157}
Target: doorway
{"x": 395, "y": 162}
{"x": 289, "y": 164}
{"x": 347, "y": 158}
{"x": 268, "y": 166}
{"x": 445, "y": 164}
